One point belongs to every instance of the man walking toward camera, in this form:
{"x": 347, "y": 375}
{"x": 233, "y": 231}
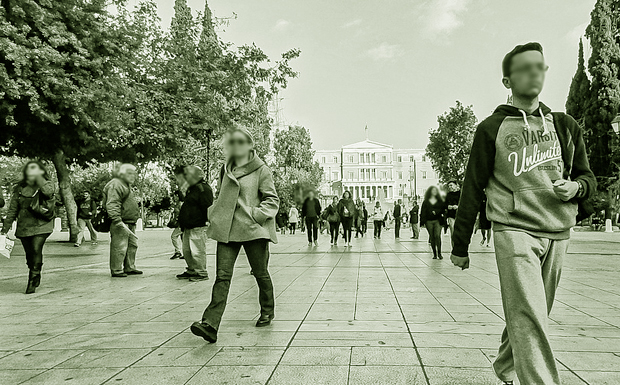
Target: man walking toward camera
{"x": 534, "y": 168}
{"x": 193, "y": 221}
{"x": 122, "y": 208}
{"x": 397, "y": 213}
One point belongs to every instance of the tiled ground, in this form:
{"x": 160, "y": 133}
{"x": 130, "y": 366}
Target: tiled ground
{"x": 380, "y": 313}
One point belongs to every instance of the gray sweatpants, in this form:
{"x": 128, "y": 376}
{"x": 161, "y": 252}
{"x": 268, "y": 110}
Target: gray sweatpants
{"x": 529, "y": 273}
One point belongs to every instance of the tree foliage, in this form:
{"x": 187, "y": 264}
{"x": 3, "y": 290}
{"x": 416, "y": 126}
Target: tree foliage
{"x": 450, "y": 143}
{"x": 579, "y": 93}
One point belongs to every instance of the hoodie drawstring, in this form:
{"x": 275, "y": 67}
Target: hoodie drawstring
{"x": 542, "y": 116}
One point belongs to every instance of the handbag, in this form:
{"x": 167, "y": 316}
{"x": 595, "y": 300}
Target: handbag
{"x": 102, "y": 221}
{"x": 173, "y": 223}
{"x": 41, "y": 207}
{"x": 6, "y": 246}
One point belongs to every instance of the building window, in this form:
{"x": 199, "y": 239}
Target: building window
{"x": 384, "y": 159}
{"x": 423, "y": 158}
{"x": 350, "y": 175}
{"x": 335, "y": 175}
{"x": 335, "y": 159}
{"x": 351, "y": 159}
{"x": 374, "y": 174}
{"x": 411, "y": 158}
{"x": 424, "y": 176}
{"x": 323, "y": 159}
{"x": 400, "y": 158}
{"x": 400, "y": 175}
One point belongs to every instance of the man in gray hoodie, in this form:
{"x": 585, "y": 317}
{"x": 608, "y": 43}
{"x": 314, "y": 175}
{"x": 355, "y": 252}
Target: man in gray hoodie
{"x": 533, "y": 166}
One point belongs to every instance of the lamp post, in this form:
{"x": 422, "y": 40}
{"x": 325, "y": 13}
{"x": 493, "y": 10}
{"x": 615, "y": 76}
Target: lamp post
{"x": 615, "y": 124}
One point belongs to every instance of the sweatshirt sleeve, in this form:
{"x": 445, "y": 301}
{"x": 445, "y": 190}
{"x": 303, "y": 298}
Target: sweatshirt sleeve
{"x": 580, "y": 170}
{"x": 270, "y": 202}
{"x": 12, "y": 211}
{"x": 479, "y": 170}
{"x": 114, "y": 202}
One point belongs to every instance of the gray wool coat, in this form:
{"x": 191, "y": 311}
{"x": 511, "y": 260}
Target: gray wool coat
{"x": 246, "y": 204}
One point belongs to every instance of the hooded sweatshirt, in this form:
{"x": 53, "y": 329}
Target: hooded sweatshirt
{"x": 516, "y": 157}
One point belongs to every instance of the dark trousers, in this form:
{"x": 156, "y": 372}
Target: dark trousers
{"x": 347, "y": 223}
{"x": 293, "y": 226}
{"x": 33, "y": 246}
{"x": 434, "y": 234}
{"x": 312, "y": 227}
{"x": 333, "y": 231}
{"x": 378, "y": 225}
{"x": 226, "y": 256}
{"x": 397, "y": 223}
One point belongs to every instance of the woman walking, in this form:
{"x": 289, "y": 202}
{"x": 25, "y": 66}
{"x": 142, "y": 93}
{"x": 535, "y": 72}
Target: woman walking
{"x": 484, "y": 224}
{"x": 333, "y": 218}
{"x": 347, "y": 215}
{"x": 243, "y": 215}
{"x": 433, "y": 217}
{"x": 32, "y": 205}
{"x": 293, "y": 218}
{"x": 377, "y": 219}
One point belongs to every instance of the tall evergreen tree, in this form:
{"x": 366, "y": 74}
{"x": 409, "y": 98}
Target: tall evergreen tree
{"x": 579, "y": 93}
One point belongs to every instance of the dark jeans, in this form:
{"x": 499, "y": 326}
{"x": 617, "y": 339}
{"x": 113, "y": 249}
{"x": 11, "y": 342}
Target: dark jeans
{"x": 312, "y": 227}
{"x": 226, "y": 255}
{"x": 397, "y": 223}
{"x": 434, "y": 234}
{"x": 347, "y": 223}
{"x": 378, "y": 225}
{"x": 293, "y": 226}
{"x": 333, "y": 231}
{"x": 33, "y": 246}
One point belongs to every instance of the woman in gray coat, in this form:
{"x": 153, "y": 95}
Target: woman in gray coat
{"x": 32, "y": 228}
{"x": 243, "y": 215}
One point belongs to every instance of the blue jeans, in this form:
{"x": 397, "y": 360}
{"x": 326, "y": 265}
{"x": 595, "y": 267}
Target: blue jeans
{"x": 226, "y": 256}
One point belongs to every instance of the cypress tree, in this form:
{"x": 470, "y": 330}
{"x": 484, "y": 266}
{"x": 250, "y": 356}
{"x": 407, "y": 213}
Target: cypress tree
{"x": 579, "y": 93}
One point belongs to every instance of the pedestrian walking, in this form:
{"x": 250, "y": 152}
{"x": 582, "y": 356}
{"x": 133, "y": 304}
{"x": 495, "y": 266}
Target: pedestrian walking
{"x": 358, "y": 217}
{"x": 333, "y": 219}
{"x": 363, "y": 214}
{"x": 193, "y": 220}
{"x": 397, "y": 214}
{"x": 310, "y": 212}
{"x": 243, "y": 215}
{"x": 282, "y": 220}
{"x": 177, "y": 233}
{"x": 484, "y": 224}
{"x": 452, "y": 204}
{"x": 377, "y": 219}
{"x": 347, "y": 215}
{"x": 533, "y": 165}
{"x": 433, "y": 217}
{"x": 87, "y": 210}
{"x": 32, "y": 205}
{"x": 293, "y": 218}
{"x": 122, "y": 208}
{"x": 414, "y": 219}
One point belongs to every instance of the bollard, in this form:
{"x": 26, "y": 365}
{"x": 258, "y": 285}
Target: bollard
{"x": 608, "y": 227}
{"x": 139, "y": 225}
{"x": 57, "y": 224}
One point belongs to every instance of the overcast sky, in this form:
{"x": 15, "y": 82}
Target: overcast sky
{"x": 397, "y": 64}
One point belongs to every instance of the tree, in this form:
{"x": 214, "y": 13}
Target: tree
{"x": 295, "y": 171}
{"x": 603, "y": 33}
{"x": 450, "y": 143}
{"x": 579, "y": 93}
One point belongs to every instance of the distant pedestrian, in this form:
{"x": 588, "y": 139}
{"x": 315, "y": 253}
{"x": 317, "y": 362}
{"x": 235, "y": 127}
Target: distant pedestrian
{"x": 293, "y": 219}
{"x": 484, "y": 224}
{"x": 433, "y": 217}
{"x": 414, "y": 219}
{"x": 310, "y": 212}
{"x": 193, "y": 220}
{"x": 363, "y": 214}
{"x": 377, "y": 220}
{"x": 333, "y": 219}
{"x": 122, "y": 208}
{"x": 282, "y": 221}
{"x": 87, "y": 210}
{"x": 397, "y": 213}
{"x": 243, "y": 215}
{"x": 177, "y": 233}
{"x": 452, "y": 204}
{"x": 33, "y": 226}
{"x": 347, "y": 215}
{"x": 358, "y": 218}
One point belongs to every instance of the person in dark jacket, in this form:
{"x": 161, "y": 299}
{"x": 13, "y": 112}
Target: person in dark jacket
{"x": 87, "y": 210}
{"x": 452, "y": 204}
{"x": 533, "y": 165}
{"x": 282, "y": 220}
{"x": 122, "y": 208}
{"x": 310, "y": 212}
{"x": 32, "y": 229}
{"x": 433, "y": 216}
{"x": 332, "y": 213}
{"x": 348, "y": 214}
{"x": 176, "y": 237}
{"x": 397, "y": 214}
{"x": 193, "y": 220}
{"x": 414, "y": 219}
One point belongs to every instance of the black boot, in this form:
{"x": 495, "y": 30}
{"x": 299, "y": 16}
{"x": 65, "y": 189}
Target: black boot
{"x": 37, "y": 275}
{"x": 31, "y": 283}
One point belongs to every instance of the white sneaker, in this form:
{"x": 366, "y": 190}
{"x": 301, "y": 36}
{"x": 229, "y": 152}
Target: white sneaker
{"x": 316, "y": 243}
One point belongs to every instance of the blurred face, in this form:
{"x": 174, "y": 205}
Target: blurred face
{"x": 335, "y": 200}
{"x": 452, "y": 186}
{"x": 527, "y": 74}
{"x": 33, "y": 171}
{"x": 86, "y": 195}
{"x": 347, "y": 195}
{"x": 180, "y": 179}
{"x": 238, "y": 145}
{"x": 311, "y": 195}
{"x": 434, "y": 192}
{"x": 129, "y": 175}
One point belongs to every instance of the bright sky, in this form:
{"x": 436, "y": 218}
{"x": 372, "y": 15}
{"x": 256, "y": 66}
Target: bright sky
{"x": 397, "y": 64}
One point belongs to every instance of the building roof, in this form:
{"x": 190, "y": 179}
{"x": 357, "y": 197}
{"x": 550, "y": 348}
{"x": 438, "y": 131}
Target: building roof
{"x": 367, "y": 144}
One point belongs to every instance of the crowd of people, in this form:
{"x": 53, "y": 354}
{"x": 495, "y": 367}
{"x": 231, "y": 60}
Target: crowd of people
{"x": 530, "y": 209}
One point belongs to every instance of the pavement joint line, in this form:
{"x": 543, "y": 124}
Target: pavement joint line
{"x": 573, "y": 372}
{"x": 415, "y": 347}
{"x": 300, "y": 324}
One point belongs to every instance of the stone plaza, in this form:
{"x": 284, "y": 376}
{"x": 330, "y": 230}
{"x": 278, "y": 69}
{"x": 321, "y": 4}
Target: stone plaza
{"x": 381, "y": 312}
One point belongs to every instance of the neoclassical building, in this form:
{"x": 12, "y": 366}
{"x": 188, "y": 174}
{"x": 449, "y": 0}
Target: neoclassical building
{"x": 371, "y": 170}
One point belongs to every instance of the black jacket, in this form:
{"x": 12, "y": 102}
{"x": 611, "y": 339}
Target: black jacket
{"x": 436, "y": 212}
{"x": 194, "y": 210}
{"x": 307, "y": 203}
{"x": 452, "y": 199}
{"x": 413, "y": 214}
